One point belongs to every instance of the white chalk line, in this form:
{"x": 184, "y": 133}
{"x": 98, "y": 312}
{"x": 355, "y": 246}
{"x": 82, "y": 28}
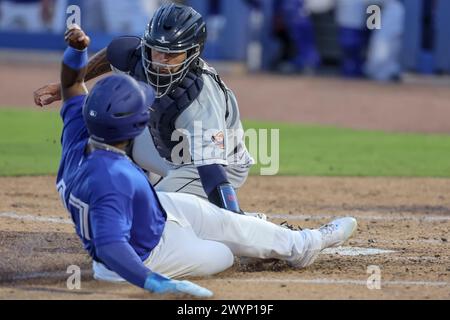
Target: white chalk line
{"x": 316, "y": 281}
{"x": 324, "y": 281}
{"x": 38, "y": 275}
{"x": 401, "y": 242}
{"x": 43, "y": 275}
{"x": 356, "y": 251}
{"x": 360, "y": 217}
{"x": 58, "y": 220}
{"x": 34, "y": 218}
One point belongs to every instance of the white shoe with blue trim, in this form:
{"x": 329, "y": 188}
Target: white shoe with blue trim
{"x": 335, "y": 233}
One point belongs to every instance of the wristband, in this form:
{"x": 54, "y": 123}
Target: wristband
{"x": 75, "y": 59}
{"x": 225, "y": 197}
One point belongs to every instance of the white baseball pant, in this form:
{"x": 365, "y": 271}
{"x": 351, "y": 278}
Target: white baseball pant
{"x": 201, "y": 239}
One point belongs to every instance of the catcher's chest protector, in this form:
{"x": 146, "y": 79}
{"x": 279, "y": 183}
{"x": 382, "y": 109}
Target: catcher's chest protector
{"x": 166, "y": 110}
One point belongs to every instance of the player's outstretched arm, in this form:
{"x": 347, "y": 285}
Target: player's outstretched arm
{"x": 98, "y": 65}
{"x": 160, "y": 284}
{"x": 74, "y": 65}
{"x": 121, "y": 258}
{"x": 116, "y": 56}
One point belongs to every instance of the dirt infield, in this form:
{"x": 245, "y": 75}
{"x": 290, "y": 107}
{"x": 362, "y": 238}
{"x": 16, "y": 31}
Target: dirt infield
{"x": 408, "y": 217}
{"x": 411, "y": 217}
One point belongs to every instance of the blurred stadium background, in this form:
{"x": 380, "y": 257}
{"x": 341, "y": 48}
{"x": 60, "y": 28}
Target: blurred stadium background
{"x": 363, "y": 117}
{"x": 289, "y": 36}
{"x": 298, "y": 61}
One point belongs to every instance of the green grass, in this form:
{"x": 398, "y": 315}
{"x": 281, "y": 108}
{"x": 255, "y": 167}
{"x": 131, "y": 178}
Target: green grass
{"x": 29, "y": 145}
{"x": 29, "y": 142}
{"x": 328, "y": 151}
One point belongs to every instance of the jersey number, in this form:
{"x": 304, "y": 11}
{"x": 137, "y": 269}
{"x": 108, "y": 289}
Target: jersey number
{"x": 78, "y": 206}
{"x": 83, "y": 214}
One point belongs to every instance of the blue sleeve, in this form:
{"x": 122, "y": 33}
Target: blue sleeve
{"x": 120, "y": 52}
{"x": 212, "y": 176}
{"x": 111, "y": 218}
{"x": 74, "y": 129}
{"x": 122, "y": 259}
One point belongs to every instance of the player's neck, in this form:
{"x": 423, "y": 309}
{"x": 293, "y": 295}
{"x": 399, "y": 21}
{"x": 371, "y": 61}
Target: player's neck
{"x": 120, "y": 147}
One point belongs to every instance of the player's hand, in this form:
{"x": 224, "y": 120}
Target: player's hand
{"x": 157, "y": 283}
{"x": 47, "y": 94}
{"x": 76, "y": 38}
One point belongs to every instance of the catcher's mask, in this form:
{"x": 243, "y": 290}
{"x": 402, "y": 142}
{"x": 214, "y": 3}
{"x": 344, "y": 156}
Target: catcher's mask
{"x": 173, "y": 29}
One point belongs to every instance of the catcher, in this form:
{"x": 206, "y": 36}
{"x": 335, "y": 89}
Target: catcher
{"x": 134, "y": 233}
{"x": 194, "y": 141}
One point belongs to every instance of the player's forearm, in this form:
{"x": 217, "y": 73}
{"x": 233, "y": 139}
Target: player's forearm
{"x": 72, "y": 81}
{"x": 122, "y": 259}
{"x": 218, "y": 188}
{"x": 72, "y": 75}
{"x": 98, "y": 65}
{"x": 74, "y": 64}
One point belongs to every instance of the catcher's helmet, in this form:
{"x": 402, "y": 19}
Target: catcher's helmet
{"x": 173, "y": 29}
{"x": 117, "y": 109}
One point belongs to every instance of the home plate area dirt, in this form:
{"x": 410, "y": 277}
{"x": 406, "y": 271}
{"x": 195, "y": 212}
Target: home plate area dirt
{"x": 404, "y": 224}
{"x": 402, "y": 241}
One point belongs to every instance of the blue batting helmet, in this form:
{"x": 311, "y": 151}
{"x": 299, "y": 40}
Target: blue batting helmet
{"x": 117, "y": 108}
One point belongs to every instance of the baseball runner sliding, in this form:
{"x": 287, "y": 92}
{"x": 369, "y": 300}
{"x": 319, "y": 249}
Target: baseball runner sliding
{"x": 134, "y": 233}
{"x": 194, "y": 141}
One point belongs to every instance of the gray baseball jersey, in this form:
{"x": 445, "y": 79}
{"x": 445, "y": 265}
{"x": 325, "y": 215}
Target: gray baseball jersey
{"x": 213, "y": 128}
{"x": 209, "y": 137}
{"x": 209, "y": 130}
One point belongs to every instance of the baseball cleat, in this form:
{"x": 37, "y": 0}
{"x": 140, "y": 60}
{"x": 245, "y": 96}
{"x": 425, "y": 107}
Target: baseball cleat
{"x": 338, "y": 231}
{"x": 314, "y": 241}
{"x": 257, "y": 215}
{"x": 292, "y": 227}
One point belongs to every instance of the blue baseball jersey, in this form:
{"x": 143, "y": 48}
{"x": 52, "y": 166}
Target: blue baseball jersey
{"x": 109, "y": 198}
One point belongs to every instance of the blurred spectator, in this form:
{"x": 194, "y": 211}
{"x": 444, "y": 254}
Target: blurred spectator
{"x": 57, "y": 15}
{"x": 428, "y": 43}
{"x": 383, "y": 57}
{"x": 216, "y": 21}
{"x": 33, "y": 15}
{"x": 119, "y": 16}
{"x": 383, "y": 54}
{"x": 24, "y": 15}
{"x": 319, "y": 6}
{"x": 256, "y": 25}
{"x": 351, "y": 20}
{"x": 299, "y": 27}
{"x": 287, "y": 50}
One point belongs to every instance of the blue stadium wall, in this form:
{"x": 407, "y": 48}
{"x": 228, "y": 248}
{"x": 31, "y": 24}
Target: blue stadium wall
{"x": 232, "y": 44}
